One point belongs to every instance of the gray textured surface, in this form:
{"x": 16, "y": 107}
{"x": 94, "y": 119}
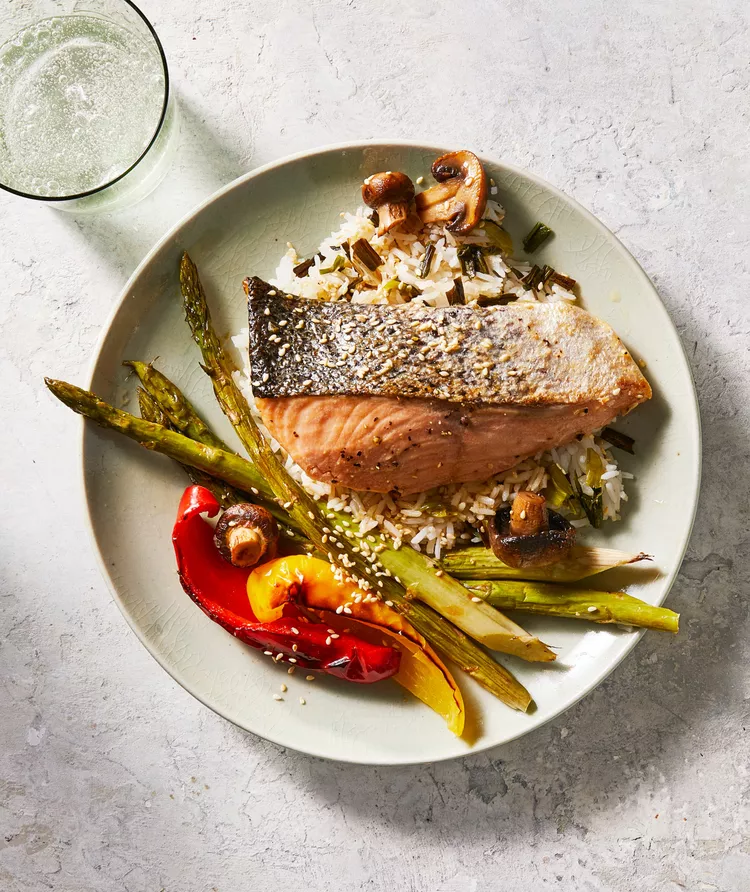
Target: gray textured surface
{"x": 112, "y": 777}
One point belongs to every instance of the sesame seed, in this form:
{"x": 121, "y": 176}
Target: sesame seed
{"x": 295, "y": 631}
{"x": 310, "y": 678}
{"x": 292, "y": 660}
{"x": 290, "y": 670}
{"x": 279, "y": 657}
{"x": 389, "y": 603}
{"x": 277, "y": 697}
{"x": 311, "y": 515}
{"x": 283, "y": 689}
{"x": 302, "y": 701}
{"x": 334, "y": 635}
{"x": 476, "y": 600}
{"x": 268, "y": 653}
{"x": 295, "y": 648}
{"x": 347, "y": 610}
{"x": 328, "y": 640}
{"x": 592, "y": 609}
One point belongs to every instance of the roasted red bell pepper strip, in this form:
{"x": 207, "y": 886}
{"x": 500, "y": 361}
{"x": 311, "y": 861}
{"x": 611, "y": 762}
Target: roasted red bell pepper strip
{"x": 220, "y": 590}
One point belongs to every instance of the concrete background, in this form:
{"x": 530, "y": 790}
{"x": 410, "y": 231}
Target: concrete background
{"x": 111, "y": 776}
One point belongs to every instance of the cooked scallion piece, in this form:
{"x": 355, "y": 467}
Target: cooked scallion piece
{"x": 500, "y": 301}
{"x": 576, "y": 603}
{"x": 563, "y": 281}
{"x": 472, "y": 260}
{"x": 594, "y": 468}
{"x": 498, "y": 236}
{"x": 302, "y": 269}
{"x": 533, "y": 277}
{"x": 618, "y": 439}
{"x": 547, "y": 273}
{"x": 559, "y": 491}
{"x": 408, "y": 291}
{"x": 424, "y": 268}
{"x": 339, "y": 262}
{"x": 592, "y": 505}
{"x": 584, "y": 560}
{"x": 536, "y": 238}
{"x": 479, "y": 262}
{"x": 456, "y": 295}
{"x": 363, "y": 251}
{"x": 466, "y": 257}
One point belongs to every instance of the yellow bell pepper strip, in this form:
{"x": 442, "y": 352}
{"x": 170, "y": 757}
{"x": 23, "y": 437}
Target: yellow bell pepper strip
{"x": 301, "y": 583}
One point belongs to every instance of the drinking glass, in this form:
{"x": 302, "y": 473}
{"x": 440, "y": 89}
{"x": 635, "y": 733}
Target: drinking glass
{"x": 87, "y": 119}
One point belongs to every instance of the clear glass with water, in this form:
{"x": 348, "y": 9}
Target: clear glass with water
{"x": 87, "y": 118}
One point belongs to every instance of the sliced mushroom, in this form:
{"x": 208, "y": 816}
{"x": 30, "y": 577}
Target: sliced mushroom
{"x": 528, "y": 534}
{"x": 460, "y": 197}
{"x": 246, "y": 535}
{"x": 390, "y": 194}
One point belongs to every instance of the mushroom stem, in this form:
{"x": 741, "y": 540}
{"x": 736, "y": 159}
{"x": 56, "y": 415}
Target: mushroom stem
{"x": 392, "y": 215}
{"x": 246, "y": 546}
{"x": 389, "y": 193}
{"x": 246, "y": 534}
{"x": 528, "y": 514}
{"x": 431, "y": 202}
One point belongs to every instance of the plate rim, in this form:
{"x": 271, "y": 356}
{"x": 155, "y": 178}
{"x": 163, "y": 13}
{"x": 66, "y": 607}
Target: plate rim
{"x": 635, "y": 268}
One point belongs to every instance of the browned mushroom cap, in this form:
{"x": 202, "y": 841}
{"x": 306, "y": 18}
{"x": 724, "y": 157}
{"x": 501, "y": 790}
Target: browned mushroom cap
{"x": 528, "y": 535}
{"x": 246, "y": 535}
{"x": 390, "y": 194}
{"x": 460, "y": 197}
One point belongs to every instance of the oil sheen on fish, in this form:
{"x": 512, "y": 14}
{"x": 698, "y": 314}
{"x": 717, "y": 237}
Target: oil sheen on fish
{"x": 410, "y": 397}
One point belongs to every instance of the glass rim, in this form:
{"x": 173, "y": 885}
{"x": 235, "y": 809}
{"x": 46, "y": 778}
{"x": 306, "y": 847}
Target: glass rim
{"x": 167, "y": 89}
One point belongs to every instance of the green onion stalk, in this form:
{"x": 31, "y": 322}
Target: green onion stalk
{"x": 556, "y": 600}
{"x": 583, "y": 561}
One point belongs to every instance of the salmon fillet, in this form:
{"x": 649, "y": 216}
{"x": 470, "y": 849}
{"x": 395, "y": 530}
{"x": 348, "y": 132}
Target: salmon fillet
{"x": 407, "y": 398}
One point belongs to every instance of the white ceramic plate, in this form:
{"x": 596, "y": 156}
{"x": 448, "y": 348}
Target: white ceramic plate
{"x": 132, "y": 494}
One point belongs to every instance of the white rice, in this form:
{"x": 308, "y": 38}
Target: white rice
{"x": 439, "y": 520}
